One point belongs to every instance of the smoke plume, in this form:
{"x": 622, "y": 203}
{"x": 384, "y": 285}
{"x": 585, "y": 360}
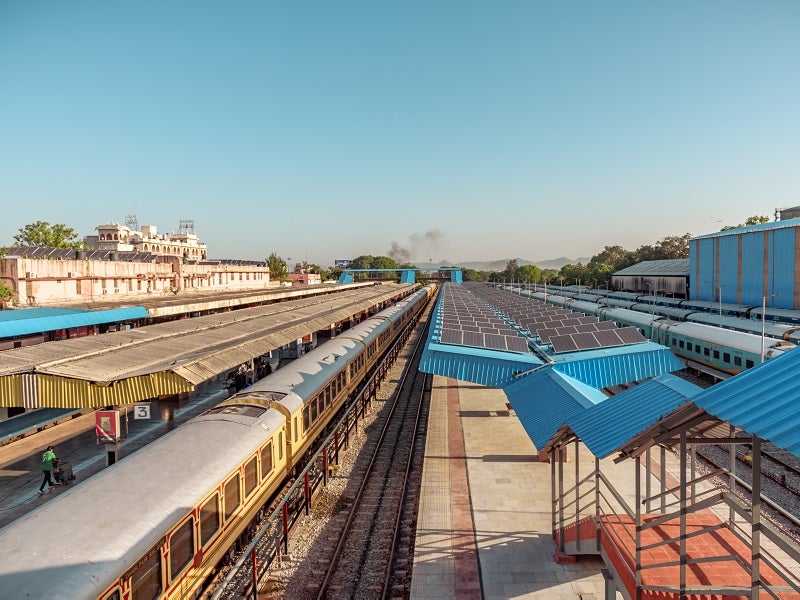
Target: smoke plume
{"x": 421, "y": 247}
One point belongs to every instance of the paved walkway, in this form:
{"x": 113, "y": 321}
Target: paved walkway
{"x": 484, "y": 527}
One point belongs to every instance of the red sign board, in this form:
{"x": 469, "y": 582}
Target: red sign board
{"x": 107, "y": 426}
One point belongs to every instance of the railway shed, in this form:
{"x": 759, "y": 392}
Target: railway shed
{"x": 690, "y": 534}
{"x": 170, "y": 359}
{"x": 695, "y": 536}
{"x": 658, "y": 277}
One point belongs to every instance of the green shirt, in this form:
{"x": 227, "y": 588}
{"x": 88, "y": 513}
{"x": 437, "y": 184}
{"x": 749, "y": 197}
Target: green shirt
{"x": 47, "y": 460}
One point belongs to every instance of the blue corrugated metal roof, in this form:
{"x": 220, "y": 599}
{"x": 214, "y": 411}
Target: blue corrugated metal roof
{"x": 761, "y": 400}
{"x": 750, "y": 228}
{"x": 614, "y": 366}
{"x": 19, "y": 314}
{"x": 607, "y": 426}
{"x": 491, "y": 368}
{"x": 546, "y": 399}
{"x": 50, "y": 321}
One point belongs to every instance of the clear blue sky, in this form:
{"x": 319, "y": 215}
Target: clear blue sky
{"x": 451, "y": 130}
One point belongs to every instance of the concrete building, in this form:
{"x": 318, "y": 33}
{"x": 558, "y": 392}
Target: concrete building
{"x": 48, "y": 281}
{"x": 120, "y": 238}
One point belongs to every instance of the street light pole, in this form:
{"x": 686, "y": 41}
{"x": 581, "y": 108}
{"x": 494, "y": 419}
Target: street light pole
{"x": 763, "y": 324}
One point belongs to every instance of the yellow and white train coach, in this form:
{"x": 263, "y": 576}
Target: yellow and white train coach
{"x": 158, "y": 523}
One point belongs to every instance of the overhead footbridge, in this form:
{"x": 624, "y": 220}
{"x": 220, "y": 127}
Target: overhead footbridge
{"x": 169, "y": 359}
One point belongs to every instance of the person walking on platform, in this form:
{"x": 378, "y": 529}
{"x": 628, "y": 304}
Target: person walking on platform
{"x": 48, "y": 458}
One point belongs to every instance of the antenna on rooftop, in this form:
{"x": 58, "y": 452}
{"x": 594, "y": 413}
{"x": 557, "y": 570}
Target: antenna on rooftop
{"x": 186, "y": 226}
{"x": 130, "y": 221}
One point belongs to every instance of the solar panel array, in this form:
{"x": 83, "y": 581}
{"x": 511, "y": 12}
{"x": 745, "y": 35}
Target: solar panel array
{"x": 466, "y": 321}
{"x": 563, "y": 329}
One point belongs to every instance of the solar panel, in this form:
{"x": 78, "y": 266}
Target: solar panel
{"x": 608, "y": 338}
{"x": 565, "y": 330}
{"x": 630, "y": 335}
{"x": 473, "y": 339}
{"x": 585, "y": 341}
{"x": 586, "y": 327}
{"x": 563, "y": 343}
{"x": 604, "y": 325}
{"x": 495, "y": 342}
{"x": 546, "y": 334}
{"x": 451, "y": 336}
{"x": 517, "y": 344}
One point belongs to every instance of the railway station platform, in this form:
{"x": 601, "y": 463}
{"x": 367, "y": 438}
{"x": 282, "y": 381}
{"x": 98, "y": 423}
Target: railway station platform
{"x": 485, "y": 522}
{"x": 484, "y": 526}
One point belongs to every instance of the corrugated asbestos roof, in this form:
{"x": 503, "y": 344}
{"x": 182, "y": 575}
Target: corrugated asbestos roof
{"x": 674, "y": 267}
{"x": 34, "y": 320}
{"x": 545, "y": 399}
{"x": 607, "y": 426}
{"x": 169, "y": 358}
{"x": 762, "y": 400}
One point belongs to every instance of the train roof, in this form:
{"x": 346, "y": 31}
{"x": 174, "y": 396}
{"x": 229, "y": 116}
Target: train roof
{"x": 628, "y": 316}
{"x": 783, "y": 314}
{"x": 771, "y": 328}
{"x": 78, "y": 544}
{"x": 729, "y": 338}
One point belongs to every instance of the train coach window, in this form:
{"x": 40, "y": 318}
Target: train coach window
{"x": 231, "y": 496}
{"x": 697, "y": 348}
{"x": 146, "y": 581}
{"x": 306, "y": 418}
{"x": 737, "y": 360}
{"x": 209, "y": 519}
{"x": 181, "y": 548}
{"x": 707, "y": 351}
{"x": 113, "y": 596}
{"x": 320, "y": 405}
{"x": 726, "y": 357}
{"x": 266, "y": 460}
{"x": 681, "y": 344}
{"x": 748, "y": 363}
{"x": 250, "y": 476}
{"x": 313, "y": 411}
{"x": 716, "y": 354}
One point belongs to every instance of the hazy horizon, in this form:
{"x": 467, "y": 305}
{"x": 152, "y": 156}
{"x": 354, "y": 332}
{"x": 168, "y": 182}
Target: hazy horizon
{"x": 418, "y": 130}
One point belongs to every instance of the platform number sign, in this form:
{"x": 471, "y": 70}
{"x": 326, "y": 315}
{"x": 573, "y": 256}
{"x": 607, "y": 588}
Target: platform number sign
{"x": 141, "y": 411}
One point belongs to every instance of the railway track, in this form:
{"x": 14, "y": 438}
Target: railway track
{"x": 294, "y": 551}
{"x": 381, "y": 512}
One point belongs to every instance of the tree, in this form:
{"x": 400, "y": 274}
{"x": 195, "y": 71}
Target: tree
{"x": 5, "y": 292}
{"x": 754, "y": 220}
{"x": 473, "y": 275}
{"x": 529, "y": 274}
{"x": 572, "y": 274}
{"x": 510, "y": 274}
{"x": 277, "y": 267}
{"x": 42, "y": 233}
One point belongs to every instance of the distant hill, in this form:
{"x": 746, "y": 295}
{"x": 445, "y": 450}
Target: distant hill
{"x": 500, "y": 265}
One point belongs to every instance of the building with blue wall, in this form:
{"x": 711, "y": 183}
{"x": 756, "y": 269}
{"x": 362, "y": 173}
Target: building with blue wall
{"x": 747, "y": 264}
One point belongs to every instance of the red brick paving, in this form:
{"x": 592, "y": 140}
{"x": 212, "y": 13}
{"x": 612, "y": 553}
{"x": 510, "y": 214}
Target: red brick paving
{"x": 468, "y": 584}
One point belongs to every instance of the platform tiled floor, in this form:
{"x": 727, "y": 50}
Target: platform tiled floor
{"x": 506, "y": 546}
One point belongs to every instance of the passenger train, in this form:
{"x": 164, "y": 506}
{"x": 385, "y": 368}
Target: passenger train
{"x": 158, "y": 523}
{"x": 693, "y": 336}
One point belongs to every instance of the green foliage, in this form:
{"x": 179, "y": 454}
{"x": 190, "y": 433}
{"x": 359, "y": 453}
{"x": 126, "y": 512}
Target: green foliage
{"x": 754, "y": 220}
{"x": 473, "y": 275}
{"x": 42, "y": 233}
{"x": 277, "y": 267}
{"x": 5, "y": 292}
{"x": 323, "y": 273}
